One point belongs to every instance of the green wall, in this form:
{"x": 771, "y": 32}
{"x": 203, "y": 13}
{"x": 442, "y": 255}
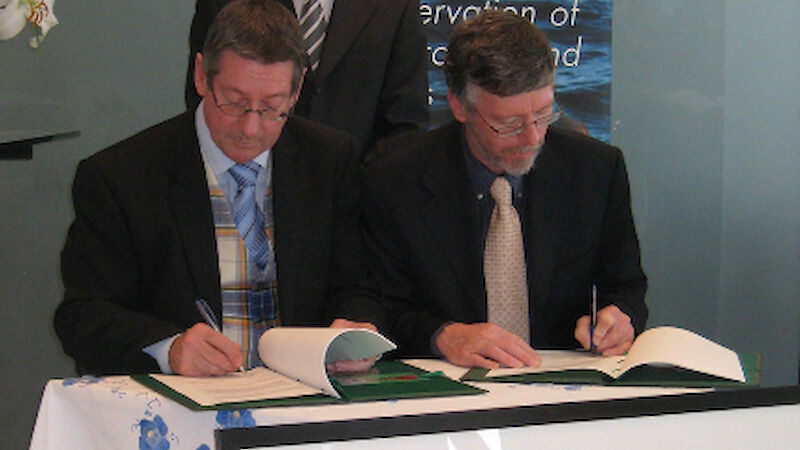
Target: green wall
{"x": 108, "y": 69}
{"x": 705, "y": 105}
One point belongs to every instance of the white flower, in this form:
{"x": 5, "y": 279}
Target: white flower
{"x": 15, "y": 13}
{"x": 12, "y": 19}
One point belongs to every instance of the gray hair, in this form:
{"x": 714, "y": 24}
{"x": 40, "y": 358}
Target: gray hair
{"x": 500, "y": 52}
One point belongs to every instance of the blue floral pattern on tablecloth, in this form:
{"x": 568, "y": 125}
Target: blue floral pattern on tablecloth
{"x": 235, "y": 418}
{"x": 153, "y": 434}
{"x": 82, "y": 381}
{"x": 152, "y": 431}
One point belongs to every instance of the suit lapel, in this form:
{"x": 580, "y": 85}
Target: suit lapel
{"x": 347, "y": 19}
{"x": 292, "y": 186}
{"x": 548, "y": 207}
{"x": 188, "y": 199}
{"x": 451, "y": 215}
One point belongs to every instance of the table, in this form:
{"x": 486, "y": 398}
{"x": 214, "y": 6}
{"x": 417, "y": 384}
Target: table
{"x": 18, "y": 144}
{"x": 117, "y": 412}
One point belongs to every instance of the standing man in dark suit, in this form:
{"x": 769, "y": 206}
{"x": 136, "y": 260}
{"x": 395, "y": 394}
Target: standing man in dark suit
{"x": 490, "y": 232}
{"x": 371, "y": 80}
{"x": 238, "y": 203}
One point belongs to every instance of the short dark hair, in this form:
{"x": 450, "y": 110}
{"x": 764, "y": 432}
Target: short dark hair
{"x": 500, "y": 52}
{"x": 261, "y": 30}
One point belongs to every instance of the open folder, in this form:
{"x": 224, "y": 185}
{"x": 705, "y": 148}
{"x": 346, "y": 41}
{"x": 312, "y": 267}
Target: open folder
{"x": 295, "y": 374}
{"x": 661, "y": 356}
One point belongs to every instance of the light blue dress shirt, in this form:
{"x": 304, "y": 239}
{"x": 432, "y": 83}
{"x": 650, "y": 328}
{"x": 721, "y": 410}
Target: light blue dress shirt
{"x": 219, "y": 164}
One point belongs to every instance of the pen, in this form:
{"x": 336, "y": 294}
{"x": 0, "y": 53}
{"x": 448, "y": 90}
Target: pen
{"x": 593, "y": 320}
{"x": 210, "y": 319}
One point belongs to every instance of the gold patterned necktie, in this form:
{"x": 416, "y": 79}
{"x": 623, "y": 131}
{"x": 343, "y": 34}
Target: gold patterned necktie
{"x": 504, "y": 265}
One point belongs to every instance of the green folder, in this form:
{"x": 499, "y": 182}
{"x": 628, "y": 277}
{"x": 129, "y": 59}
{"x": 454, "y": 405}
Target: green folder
{"x": 387, "y": 380}
{"x": 638, "y": 376}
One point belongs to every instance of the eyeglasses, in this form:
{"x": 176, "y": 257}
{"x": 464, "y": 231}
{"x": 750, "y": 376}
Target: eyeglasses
{"x": 516, "y": 129}
{"x": 236, "y": 110}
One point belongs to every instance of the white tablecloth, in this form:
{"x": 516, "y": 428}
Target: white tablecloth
{"x": 117, "y": 412}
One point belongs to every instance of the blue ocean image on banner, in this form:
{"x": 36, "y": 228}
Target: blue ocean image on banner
{"x": 583, "y": 76}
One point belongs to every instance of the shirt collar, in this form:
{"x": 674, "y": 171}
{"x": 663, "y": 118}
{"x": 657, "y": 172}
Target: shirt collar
{"x": 481, "y": 178}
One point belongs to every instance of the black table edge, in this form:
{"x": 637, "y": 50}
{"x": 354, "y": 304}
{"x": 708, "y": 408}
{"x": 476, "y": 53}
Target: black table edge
{"x": 384, "y": 427}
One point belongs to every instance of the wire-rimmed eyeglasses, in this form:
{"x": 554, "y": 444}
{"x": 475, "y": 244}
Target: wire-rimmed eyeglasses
{"x": 238, "y": 110}
{"x": 516, "y": 129}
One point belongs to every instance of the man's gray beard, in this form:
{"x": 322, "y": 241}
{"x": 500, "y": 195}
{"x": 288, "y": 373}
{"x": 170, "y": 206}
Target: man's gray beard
{"x": 525, "y": 168}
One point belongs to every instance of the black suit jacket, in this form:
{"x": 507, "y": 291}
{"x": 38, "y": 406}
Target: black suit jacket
{"x": 142, "y": 248}
{"x": 372, "y": 80}
{"x": 424, "y": 233}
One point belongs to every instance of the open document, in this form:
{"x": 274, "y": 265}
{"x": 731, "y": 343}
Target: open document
{"x": 295, "y": 373}
{"x": 666, "y": 356}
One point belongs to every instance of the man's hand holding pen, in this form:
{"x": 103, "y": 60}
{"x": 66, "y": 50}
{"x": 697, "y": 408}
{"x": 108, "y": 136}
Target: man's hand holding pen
{"x": 203, "y": 351}
{"x": 613, "y": 334}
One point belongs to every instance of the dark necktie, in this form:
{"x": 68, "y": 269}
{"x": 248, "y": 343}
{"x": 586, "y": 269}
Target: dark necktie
{"x": 313, "y": 25}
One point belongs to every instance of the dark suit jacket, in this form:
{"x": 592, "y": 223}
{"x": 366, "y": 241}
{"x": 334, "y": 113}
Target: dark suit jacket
{"x": 372, "y": 80}
{"x": 142, "y": 246}
{"x": 423, "y": 231}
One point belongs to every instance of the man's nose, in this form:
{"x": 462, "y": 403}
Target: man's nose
{"x": 532, "y": 134}
{"x": 250, "y": 123}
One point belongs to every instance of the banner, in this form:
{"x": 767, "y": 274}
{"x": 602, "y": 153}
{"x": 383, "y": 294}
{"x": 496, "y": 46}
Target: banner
{"x": 579, "y": 33}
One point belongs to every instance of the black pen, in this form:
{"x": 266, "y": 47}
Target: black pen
{"x": 593, "y": 320}
{"x": 210, "y": 319}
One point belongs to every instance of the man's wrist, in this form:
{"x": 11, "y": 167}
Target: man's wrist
{"x": 434, "y": 336}
{"x": 160, "y": 352}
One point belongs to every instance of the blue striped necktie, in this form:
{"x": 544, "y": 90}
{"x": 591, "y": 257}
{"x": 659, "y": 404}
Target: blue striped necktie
{"x": 313, "y": 25}
{"x": 247, "y": 215}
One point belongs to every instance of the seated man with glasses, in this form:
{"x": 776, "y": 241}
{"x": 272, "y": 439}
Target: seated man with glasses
{"x": 491, "y": 234}
{"x": 238, "y": 207}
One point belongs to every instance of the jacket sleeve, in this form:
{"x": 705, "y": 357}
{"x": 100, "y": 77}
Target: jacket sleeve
{"x": 103, "y": 320}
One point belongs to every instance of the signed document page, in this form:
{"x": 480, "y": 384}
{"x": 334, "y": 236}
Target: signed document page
{"x": 560, "y": 360}
{"x": 259, "y": 383}
{"x": 661, "y": 346}
{"x": 294, "y": 360}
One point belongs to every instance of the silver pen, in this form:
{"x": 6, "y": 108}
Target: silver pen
{"x": 209, "y": 318}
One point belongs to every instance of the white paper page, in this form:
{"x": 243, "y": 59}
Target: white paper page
{"x": 438, "y": 365}
{"x": 300, "y": 352}
{"x": 560, "y": 360}
{"x": 682, "y": 348}
{"x": 259, "y": 383}
{"x": 357, "y": 343}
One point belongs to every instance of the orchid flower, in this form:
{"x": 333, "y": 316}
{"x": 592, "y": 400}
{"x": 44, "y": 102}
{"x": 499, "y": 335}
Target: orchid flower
{"x": 14, "y": 14}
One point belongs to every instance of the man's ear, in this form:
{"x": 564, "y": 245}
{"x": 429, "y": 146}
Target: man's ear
{"x": 458, "y": 108}
{"x": 200, "y": 79}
